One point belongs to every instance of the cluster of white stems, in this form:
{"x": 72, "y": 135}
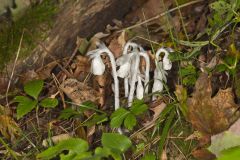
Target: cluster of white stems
{"x": 128, "y": 65}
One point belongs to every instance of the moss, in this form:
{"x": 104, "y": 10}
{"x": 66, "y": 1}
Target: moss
{"x": 35, "y": 22}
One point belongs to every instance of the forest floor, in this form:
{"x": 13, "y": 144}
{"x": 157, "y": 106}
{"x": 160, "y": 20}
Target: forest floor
{"x": 68, "y": 109}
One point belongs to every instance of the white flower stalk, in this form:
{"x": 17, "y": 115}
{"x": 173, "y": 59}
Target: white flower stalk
{"x": 160, "y": 70}
{"x": 140, "y": 89}
{"x": 147, "y": 61}
{"x": 98, "y": 69}
{"x": 129, "y": 68}
{"x": 135, "y": 64}
{"x": 133, "y": 47}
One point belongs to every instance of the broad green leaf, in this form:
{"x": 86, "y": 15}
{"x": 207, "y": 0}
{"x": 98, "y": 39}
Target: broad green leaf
{"x": 230, "y": 154}
{"x": 138, "y": 107}
{"x": 116, "y": 141}
{"x": 149, "y": 156}
{"x": 83, "y": 156}
{"x": 96, "y": 119}
{"x": 49, "y": 102}
{"x": 117, "y": 117}
{"x": 25, "y": 105}
{"x": 102, "y": 152}
{"x": 224, "y": 142}
{"x": 68, "y": 113}
{"x": 130, "y": 121}
{"x": 33, "y": 88}
{"x": 73, "y": 145}
{"x": 69, "y": 156}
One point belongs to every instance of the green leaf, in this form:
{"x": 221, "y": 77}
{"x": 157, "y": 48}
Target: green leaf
{"x": 73, "y": 145}
{"x": 117, "y": 117}
{"x": 83, "y": 46}
{"x": 33, "y": 88}
{"x": 165, "y": 131}
{"x": 226, "y": 141}
{"x": 102, "y": 152}
{"x": 68, "y": 113}
{"x": 149, "y": 156}
{"x": 49, "y": 102}
{"x": 130, "y": 121}
{"x": 83, "y": 156}
{"x": 116, "y": 141}
{"x": 221, "y": 68}
{"x": 138, "y": 107}
{"x": 96, "y": 119}
{"x": 25, "y": 105}
{"x": 230, "y": 154}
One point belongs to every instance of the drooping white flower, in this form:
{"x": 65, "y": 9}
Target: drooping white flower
{"x": 124, "y": 70}
{"x": 167, "y": 64}
{"x": 160, "y": 70}
{"x": 97, "y": 66}
{"x": 140, "y": 89}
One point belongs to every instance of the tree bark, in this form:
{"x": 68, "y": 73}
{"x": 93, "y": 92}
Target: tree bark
{"x": 77, "y": 18}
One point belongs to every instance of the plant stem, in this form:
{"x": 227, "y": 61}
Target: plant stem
{"x": 114, "y": 73}
{"x": 147, "y": 60}
{"x": 133, "y": 80}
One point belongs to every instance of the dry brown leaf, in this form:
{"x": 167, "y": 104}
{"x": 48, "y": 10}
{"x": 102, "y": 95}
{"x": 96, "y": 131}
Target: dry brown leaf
{"x": 115, "y": 47}
{"x": 203, "y": 154}
{"x": 8, "y": 127}
{"x": 79, "y": 92}
{"x": 28, "y": 76}
{"x": 101, "y": 80}
{"x": 56, "y": 139}
{"x": 45, "y": 72}
{"x": 81, "y": 64}
{"x": 211, "y": 115}
{"x": 157, "y": 110}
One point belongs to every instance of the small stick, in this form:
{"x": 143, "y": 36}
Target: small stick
{"x": 14, "y": 66}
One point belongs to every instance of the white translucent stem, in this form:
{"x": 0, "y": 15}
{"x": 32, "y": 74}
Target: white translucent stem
{"x": 147, "y": 60}
{"x": 125, "y": 51}
{"x": 114, "y": 73}
{"x": 133, "y": 80}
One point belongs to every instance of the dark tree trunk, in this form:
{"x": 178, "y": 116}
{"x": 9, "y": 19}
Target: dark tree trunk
{"x": 81, "y": 18}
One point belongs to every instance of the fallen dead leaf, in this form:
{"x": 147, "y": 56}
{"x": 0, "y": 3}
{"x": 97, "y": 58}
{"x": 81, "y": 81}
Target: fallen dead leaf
{"x": 79, "y": 92}
{"x": 203, "y": 154}
{"x": 81, "y": 64}
{"x": 8, "y": 127}
{"x": 55, "y": 139}
{"x": 157, "y": 110}
{"x": 115, "y": 47}
{"x": 211, "y": 115}
{"x": 46, "y": 71}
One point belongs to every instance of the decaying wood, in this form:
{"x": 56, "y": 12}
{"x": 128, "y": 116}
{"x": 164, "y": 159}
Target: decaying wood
{"x": 77, "y": 18}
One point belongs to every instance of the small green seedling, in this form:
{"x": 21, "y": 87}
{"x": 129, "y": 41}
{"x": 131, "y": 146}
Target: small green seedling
{"x": 31, "y": 101}
{"x": 128, "y": 117}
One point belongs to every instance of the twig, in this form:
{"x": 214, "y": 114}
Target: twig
{"x": 160, "y": 15}
{"x": 14, "y": 66}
